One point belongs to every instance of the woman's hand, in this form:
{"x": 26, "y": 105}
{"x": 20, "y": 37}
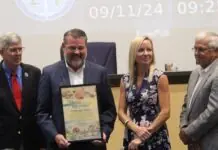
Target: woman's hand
{"x": 134, "y": 144}
{"x": 143, "y": 133}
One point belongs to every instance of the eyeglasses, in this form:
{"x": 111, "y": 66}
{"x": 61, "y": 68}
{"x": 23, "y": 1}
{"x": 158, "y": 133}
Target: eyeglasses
{"x": 16, "y": 49}
{"x": 200, "y": 49}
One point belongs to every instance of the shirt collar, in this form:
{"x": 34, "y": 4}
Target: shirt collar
{"x": 8, "y": 70}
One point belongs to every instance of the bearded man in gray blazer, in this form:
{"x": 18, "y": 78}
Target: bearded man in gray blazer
{"x": 199, "y": 116}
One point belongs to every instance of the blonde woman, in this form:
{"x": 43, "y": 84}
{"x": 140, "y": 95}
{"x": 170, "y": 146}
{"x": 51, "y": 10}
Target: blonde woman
{"x": 144, "y": 92}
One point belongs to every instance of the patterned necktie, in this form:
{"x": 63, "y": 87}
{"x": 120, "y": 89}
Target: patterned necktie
{"x": 16, "y": 91}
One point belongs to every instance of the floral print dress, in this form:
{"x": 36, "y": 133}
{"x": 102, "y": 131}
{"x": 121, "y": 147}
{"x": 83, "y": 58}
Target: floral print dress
{"x": 143, "y": 107}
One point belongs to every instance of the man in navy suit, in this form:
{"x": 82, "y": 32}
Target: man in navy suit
{"x": 18, "y": 92}
{"x": 73, "y": 70}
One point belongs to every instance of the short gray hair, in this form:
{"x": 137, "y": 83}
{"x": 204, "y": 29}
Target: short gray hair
{"x": 8, "y": 39}
{"x": 213, "y": 44}
{"x": 212, "y": 38}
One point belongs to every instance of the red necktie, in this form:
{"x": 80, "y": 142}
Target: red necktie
{"x": 16, "y": 91}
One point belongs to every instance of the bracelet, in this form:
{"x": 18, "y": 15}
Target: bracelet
{"x": 126, "y": 122}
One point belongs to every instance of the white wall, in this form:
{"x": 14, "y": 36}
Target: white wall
{"x": 171, "y": 23}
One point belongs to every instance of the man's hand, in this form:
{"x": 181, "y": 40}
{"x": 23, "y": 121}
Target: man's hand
{"x": 99, "y": 142}
{"x": 184, "y": 138}
{"x": 61, "y": 141}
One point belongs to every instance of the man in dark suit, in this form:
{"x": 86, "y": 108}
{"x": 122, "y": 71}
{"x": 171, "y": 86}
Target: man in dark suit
{"x": 73, "y": 70}
{"x": 18, "y": 92}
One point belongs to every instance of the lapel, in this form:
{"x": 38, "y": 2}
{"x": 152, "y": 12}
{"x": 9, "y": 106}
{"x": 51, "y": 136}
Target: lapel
{"x": 192, "y": 83}
{"x": 86, "y": 73}
{"x": 201, "y": 84}
{"x": 63, "y": 74}
{"x": 26, "y": 78}
{"x": 5, "y": 85}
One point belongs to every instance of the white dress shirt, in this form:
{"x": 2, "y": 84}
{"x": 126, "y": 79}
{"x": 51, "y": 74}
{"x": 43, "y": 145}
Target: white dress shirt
{"x": 76, "y": 77}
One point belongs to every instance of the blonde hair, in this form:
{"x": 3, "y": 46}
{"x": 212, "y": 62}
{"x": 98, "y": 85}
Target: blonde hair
{"x": 134, "y": 46}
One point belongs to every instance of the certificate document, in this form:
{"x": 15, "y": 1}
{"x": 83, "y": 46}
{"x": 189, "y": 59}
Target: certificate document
{"x": 81, "y": 114}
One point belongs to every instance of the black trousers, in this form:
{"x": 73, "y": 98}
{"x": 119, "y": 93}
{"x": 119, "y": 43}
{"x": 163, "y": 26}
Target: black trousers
{"x": 86, "y": 146}
{"x": 81, "y": 146}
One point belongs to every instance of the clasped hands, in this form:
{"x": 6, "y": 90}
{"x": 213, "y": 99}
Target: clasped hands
{"x": 142, "y": 134}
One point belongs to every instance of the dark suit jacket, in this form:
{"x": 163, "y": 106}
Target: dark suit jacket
{"x": 50, "y": 113}
{"x": 16, "y": 126}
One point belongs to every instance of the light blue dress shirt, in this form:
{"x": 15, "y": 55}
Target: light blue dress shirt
{"x": 8, "y": 74}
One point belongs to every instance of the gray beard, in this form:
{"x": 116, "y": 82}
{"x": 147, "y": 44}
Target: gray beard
{"x": 76, "y": 64}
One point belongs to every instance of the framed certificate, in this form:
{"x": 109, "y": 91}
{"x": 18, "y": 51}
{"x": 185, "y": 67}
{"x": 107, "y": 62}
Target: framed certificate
{"x": 81, "y": 113}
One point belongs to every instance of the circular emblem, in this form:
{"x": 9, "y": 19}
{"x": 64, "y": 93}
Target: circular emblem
{"x": 45, "y": 10}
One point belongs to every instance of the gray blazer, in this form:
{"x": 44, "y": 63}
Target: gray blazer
{"x": 200, "y": 118}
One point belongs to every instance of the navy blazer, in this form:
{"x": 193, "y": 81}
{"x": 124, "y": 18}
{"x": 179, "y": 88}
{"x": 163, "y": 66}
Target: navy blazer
{"x": 50, "y": 112}
{"x": 20, "y": 127}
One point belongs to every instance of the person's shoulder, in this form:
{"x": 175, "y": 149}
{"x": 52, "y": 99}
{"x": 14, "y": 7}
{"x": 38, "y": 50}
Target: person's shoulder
{"x": 95, "y": 66}
{"x": 53, "y": 66}
{"x": 27, "y": 67}
{"x": 195, "y": 71}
